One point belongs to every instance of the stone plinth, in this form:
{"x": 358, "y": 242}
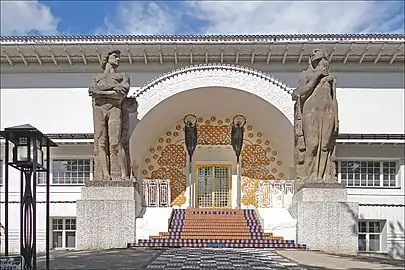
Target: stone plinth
{"x": 326, "y": 221}
{"x": 106, "y": 217}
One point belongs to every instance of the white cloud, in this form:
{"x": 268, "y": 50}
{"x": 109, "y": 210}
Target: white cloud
{"x": 22, "y": 17}
{"x": 140, "y": 18}
{"x": 261, "y": 17}
{"x": 295, "y": 17}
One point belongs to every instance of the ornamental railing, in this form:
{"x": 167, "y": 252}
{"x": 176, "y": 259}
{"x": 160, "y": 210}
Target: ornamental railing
{"x": 275, "y": 193}
{"x": 156, "y": 192}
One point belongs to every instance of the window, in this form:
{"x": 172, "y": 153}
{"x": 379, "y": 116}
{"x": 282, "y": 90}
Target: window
{"x": 368, "y": 173}
{"x": 68, "y": 171}
{"x": 63, "y": 233}
{"x": 369, "y": 235}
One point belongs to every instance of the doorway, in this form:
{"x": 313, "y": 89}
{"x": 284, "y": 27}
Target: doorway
{"x": 213, "y": 186}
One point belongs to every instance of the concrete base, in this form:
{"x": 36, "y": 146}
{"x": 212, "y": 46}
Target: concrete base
{"x": 106, "y": 217}
{"x": 279, "y": 222}
{"x": 154, "y": 221}
{"x": 325, "y": 220}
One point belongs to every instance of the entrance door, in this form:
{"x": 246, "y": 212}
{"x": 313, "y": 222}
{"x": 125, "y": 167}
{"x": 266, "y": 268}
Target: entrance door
{"x": 213, "y": 186}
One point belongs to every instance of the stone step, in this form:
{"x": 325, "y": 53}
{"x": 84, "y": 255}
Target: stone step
{"x": 164, "y": 234}
{"x": 203, "y": 229}
{"x": 240, "y": 228}
{"x": 224, "y": 243}
{"x": 216, "y": 237}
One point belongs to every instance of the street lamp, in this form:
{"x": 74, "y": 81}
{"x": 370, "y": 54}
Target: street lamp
{"x": 190, "y": 136}
{"x": 237, "y": 131}
{"x": 27, "y": 157}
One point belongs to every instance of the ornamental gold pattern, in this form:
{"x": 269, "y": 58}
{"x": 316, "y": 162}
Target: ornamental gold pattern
{"x": 210, "y": 134}
{"x": 167, "y": 158}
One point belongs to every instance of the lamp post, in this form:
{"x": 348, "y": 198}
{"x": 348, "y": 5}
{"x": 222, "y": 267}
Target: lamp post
{"x": 27, "y": 157}
{"x": 190, "y": 136}
{"x": 237, "y": 131}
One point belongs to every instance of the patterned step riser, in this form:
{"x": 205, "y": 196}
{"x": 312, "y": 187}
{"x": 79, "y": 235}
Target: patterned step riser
{"x": 198, "y": 237}
{"x": 212, "y": 237}
{"x": 213, "y": 219}
{"x": 221, "y": 245}
{"x": 222, "y": 223}
{"x": 208, "y": 233}
{"x": 204, "y": 228}
{"x": 215, "y": 232}
{"x": 217, "y": 225}
{"x": 219, "y": 241}
{"x": 266, "y": 235}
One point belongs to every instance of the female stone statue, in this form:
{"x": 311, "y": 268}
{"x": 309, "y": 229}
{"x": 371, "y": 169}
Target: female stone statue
{"x": 316, "y": 123}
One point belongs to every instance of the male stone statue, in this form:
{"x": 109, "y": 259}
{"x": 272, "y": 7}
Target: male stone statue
{"x": 111, "y": 107}
{"x": 316, "y": 123}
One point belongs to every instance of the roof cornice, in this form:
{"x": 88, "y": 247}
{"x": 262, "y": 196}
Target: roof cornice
{"x": 198, "y": 38}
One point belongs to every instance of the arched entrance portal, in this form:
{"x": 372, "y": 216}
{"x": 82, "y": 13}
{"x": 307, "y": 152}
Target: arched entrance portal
{"x": 157, "y": 143}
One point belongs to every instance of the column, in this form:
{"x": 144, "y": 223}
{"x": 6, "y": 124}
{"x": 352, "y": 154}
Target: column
{"x": 238, "y": 187}
{"x": 190, "y": 186}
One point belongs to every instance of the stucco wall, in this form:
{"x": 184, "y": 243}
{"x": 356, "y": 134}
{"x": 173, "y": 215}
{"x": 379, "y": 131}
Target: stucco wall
{"x": 69, "y": 110}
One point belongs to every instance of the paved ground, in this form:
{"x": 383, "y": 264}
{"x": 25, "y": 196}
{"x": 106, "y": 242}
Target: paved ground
{"x": 318, "y": 260}
{"x": 210, "y": 258}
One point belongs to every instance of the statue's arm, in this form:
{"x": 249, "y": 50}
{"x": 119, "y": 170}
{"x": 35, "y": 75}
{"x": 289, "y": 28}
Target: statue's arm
{"x": 335, "y": 105}
{"x": 126, "y": 82}
{"x": 95, "y": 89}
{"x": 305, "y": 88}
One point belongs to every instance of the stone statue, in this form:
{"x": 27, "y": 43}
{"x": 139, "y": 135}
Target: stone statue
{"x": 316, "y": 124}
{"x": 111, "y": 109}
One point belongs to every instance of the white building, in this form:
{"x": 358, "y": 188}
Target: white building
{"x": 44, "y": 82}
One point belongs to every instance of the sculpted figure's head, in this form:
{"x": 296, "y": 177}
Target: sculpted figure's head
{"x": 112, "y": 58}
{"x": 316, "y": 56}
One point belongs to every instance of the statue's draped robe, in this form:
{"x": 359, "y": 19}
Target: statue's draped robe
{"x": 315, "y": 130}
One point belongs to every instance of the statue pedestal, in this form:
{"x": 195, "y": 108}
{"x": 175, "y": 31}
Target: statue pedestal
{"x": 106, "y": 215}
{"x": 326, "y": 221}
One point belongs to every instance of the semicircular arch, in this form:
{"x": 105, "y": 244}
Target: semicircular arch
{"x": 250, "y": 80}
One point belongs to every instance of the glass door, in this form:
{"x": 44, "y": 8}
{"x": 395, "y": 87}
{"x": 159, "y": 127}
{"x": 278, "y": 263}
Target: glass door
{"x": 213, "y": 186}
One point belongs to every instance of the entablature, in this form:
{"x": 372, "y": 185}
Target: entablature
{"x": 191, "y": 50}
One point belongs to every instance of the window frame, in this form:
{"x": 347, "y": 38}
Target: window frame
{"x": 381, "y": 174}
{"x": 64, "y": 230}
{"x": 368, "y": 233}
{"x": 89, "y": 157}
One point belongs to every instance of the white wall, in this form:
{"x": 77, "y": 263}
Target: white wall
{"x": 366, "y": 75}
{"x": 58, "y": 193}
{"x": 382, "y": 203}
{"x": 69, "y": 110}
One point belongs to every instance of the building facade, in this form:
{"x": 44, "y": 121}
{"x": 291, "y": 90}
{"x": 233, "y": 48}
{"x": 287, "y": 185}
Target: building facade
{"x": 44, "y": 82}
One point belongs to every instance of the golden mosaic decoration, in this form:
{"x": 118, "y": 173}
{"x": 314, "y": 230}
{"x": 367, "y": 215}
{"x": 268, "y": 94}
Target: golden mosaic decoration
{"x": 167, "y": 158}
{"x": 214, "y": 135}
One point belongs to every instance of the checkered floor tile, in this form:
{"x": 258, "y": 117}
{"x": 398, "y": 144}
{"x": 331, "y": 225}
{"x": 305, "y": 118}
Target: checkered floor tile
{"x": 226, "y": 258}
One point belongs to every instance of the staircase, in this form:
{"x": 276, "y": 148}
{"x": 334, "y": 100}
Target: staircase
{"x": 231, "y": 228}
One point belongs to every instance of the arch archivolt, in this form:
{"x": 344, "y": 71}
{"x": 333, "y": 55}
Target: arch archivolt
{"x": 213, "y": 75}
{"x": 167, "y": 158}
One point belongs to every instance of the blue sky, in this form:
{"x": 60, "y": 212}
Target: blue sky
{"x": 199, "y": 17}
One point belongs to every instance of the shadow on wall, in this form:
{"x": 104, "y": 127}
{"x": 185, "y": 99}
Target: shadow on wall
{"x": 396, "y": 250}
{"x": 355, "y": 216}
